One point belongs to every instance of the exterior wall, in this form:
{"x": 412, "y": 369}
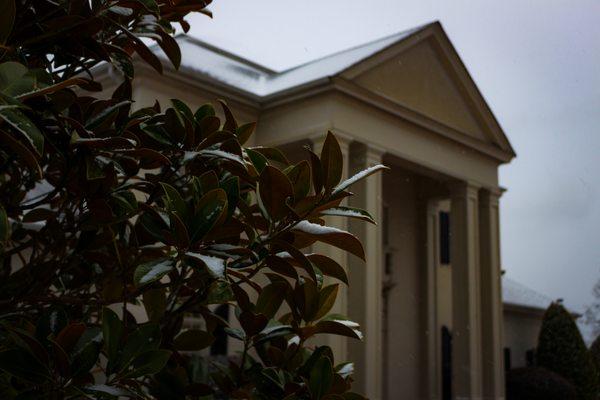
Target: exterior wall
{"x": 407, "y": 352}
{"x": 521, "y": 330}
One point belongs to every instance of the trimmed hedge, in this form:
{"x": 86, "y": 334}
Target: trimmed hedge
{"x": 535, "y": 383}
{"x": 561, "y": 349}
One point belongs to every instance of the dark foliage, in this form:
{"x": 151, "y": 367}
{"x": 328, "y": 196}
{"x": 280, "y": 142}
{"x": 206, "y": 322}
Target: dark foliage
{"x": 104, "y": 207}
{"x": 561, "y": 349}
{"x": 595, "y": 352}
{"x": 534, "y": 383}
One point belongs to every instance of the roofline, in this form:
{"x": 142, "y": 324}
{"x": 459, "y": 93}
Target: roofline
{"x": 318, "y": 86}
{"x": 223, "y": 52}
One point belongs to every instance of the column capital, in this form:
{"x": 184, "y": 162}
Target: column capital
{"x": 460, "y": 189}
{"x": 490, "y": 197}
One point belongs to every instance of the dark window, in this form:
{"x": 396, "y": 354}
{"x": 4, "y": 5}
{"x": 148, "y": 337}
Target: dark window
{"x": 507, "y": 359}
{"x": 219, "y": 346}
{"x": 388, "y": 263}
{"x": 444, "y": 237}
{"x": 530, "y": 357}
{"x": 386, "y": 226}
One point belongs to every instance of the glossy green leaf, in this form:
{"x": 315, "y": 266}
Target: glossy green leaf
{"x": 214, "y": 265}
{"x": 274, "y": 190}
{"x": 329, "y": 267}
{"x": 349, "y": 212}
{"x": 175, "y": 201}
{"x": 321, "y": 378}
{"x": 209, "y": 210}
{"x": 299, "y": 176}
{"x": 327, "y": 297}
{"x": 258, "y": 160}
{"x": 245, "y": 131}
{"x": 193, "y": 340}
{"x": 357, "y": 177}
{"x": 270, "y": 298}
{"x": 332, "y": 162}
{"x": 152, "y": 271}
{"x": 112, "y": 329}
{"x": 145, "y": 338}
{"x": 149, "y": 363}
{"x": 25, "y": 127}
{"x": 339, "y": 325}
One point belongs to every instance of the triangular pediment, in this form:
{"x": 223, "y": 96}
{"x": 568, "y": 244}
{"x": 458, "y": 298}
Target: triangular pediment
{"x": 424, "y": 74}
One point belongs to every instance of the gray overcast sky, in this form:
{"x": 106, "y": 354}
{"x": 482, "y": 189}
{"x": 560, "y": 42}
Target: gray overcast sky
{"x": 538, "y": 65}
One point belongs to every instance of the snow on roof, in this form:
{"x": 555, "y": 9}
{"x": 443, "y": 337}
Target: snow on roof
{"x": 202, "y": 59}
{"x": 517, "y": 294}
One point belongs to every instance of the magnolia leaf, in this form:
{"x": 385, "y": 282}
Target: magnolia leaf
{"x": 193, "y": 340}
{"x": 333, "y": 236}
{"x": 327, "y": 297}
{"x": 329, "y": 267}
{"x": 339, "y": 325}
{"x": 299, "y": 176}
{"x": 175, "y": 201}
{"x": 111, "y": 332}
{"x": 349, "y": 212}
{"x": 152, "y": 271}
{"x": 245, "y": 131}
{"x": 357, "y": 177}
{"x": 25, "y": 127}
{"x": 215, "y": 265}
{"x": 273, "y": 154}
{"x": 332, "y": 162}
{"x": 270, "y": 298}
{"x": 321, "y": 378}
{"x": 69, "y": 335}
{"x": 274, "y": 190}
{"x": 149, "y": 363}
{"x": 258, "y": 160}
{"x": 209, "y": 210}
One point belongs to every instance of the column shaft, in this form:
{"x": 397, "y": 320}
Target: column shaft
{"x": 466, "y": 330}
{"x": 365, "y": 302}
{"x": 491, "y": 296}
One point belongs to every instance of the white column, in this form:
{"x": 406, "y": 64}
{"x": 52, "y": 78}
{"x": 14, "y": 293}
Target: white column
{"x": 338, "y": 344}
{"x": 491, "y": 296}
{"x": 466, "y": 329}
{"x": 432, "y": 264}
{"x": 365, "y": 301}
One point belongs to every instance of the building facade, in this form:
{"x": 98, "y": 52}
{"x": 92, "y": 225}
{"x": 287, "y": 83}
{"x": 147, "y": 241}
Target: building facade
{"x": 429, "y": 296}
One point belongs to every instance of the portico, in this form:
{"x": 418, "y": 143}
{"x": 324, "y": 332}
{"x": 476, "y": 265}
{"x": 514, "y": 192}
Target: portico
{"x": 433, "y": 260}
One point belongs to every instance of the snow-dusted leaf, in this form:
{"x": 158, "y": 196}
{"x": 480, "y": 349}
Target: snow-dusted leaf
{"x": 215, "y": 265}
{"x": 152, "y": 271}
{"x": 349, "y": 212}
{"x": 357, "y": 177}
{"x": 222, "y": 154}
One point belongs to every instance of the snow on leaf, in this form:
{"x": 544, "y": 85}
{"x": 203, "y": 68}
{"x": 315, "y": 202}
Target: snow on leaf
{"x": 215, "y": 265}
{"x": 222, "y": 154}
{"x": 357, "y": 177}
{"x": 152, "y": 271}
{"x": 316, "y": 229}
